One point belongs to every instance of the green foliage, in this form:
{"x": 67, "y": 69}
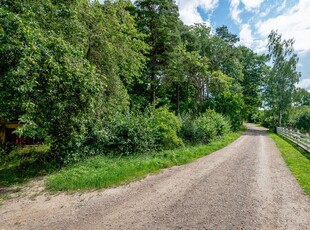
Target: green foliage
{"x": 226, "y": 36}
{"x": 128, "y": 133}
{"x": 132, "y": 133}
{"x": 24, "y": 163}
{"x": 280, "y": 83}
{"x": 105, "y": 171}
{"x": 159, "y": 19}
{"x": 5, "y": 149}
{"x": 116, "y": 48}
{"x": 231, "y": 104}
{"x": 204, "y": 128}
{"x": 222, "y": 124}
{"x": 52, "y": 84}
{"x": 301, "y": 97}
{"x": 254, "y": 72}
{"x": 166, "y": 126}
{"x": 268, "y": 120}
{"x": 298, "y": 161}
{"x": 80, "y": 73}
{"x": 302, "y": 121}
{"x": 300, "y": 118}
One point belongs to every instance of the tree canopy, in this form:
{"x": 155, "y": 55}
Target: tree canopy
{"x": 70, "y": 68}
{"x": 280, "y": 83}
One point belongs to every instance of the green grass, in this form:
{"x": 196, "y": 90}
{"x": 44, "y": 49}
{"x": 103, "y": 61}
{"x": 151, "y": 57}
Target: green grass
{"x": 296, "y": 159}
{"x": 104, "y": 171}
{"x": 24, "y": 163}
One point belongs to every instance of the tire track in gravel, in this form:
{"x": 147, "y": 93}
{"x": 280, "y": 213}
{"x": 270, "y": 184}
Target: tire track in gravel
{"x": 246, "y": 185}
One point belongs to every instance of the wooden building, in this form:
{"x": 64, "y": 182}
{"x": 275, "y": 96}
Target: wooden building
{"x": 6, "y": 132}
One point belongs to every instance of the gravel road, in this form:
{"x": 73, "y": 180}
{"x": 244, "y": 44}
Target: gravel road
{"x": 243, "y": 186}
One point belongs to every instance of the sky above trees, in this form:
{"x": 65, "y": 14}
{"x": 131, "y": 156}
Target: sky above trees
{"x": 252, "y": 21}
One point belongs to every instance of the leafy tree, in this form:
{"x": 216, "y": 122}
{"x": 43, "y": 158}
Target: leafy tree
{"x": 45, "y": 83}
{"x": 166, "y": 128}
{"x": 226, "y": 36}
{"x": 301, "y": 97}
{"x": 254, "y": 70}
{"x": 300, "y": 118}
{"x": 191, "y": 69}
{"x": 280, "y": 84}
{"x": 159, "y": 19}
{"x": 116, "y": 48}
{"x": 224, "y": 55}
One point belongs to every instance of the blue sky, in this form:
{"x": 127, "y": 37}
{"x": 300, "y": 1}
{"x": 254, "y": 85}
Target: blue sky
{"x": 252, "y": 21}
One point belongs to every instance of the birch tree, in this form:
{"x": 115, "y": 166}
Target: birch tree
{"x": 280, "y": 84}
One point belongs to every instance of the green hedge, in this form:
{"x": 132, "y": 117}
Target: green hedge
{"x": 203, "y": 128}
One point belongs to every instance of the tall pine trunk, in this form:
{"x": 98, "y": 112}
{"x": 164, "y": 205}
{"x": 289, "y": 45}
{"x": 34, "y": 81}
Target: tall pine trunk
{"x": 178, "y": 98}
{"x": 153, "y": 89}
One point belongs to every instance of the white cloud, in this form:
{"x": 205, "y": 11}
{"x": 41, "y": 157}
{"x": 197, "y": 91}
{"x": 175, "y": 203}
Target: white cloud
{"x": 188, "y": 10}
{"x": 265, "y": 13}
{"x": 190, "y": 17}
{"x": 247, "y": 39}
{"x": 246, "y": 36}
{"x": 294, "y": 23}
{"x": 251, "y": 5}
{"x": 282, "y": 6}
{"x": 260, "y": 46}
{"x": 235, "y": 11}
{"x": 304, "y": 83}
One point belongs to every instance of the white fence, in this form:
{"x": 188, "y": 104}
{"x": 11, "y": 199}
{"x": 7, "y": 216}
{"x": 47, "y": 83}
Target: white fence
{"x": 302, "y": 140}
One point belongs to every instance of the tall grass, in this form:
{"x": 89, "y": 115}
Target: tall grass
{"x": 297, "y": 160}
{"x": 24, "y": 163}
{"x": 103, "y": 171}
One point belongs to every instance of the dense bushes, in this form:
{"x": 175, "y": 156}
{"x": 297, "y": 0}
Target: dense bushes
{"x": 203, "y": 128}
{"x": 300, "y": 119}
{"x": 126, "y": 134}
{"x": 5, "y": 149}
{"x": 297, "y": 118}
{"x": 130, "y": 133}
{"x": 302, "y": 122}
{"x": 136, "y": 132}
{"x": 166, "y": 126}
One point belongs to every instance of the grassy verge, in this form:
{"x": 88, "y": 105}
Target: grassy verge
{"x": 104, "y": 171}
{"x": 24, "y": 163}
{"x": 296, "y": 159}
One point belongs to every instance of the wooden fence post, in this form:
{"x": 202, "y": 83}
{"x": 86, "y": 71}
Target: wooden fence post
{"x": 302, "y": 140}
{"x": 298, "y": 136}
{"x": 307, "y": 141}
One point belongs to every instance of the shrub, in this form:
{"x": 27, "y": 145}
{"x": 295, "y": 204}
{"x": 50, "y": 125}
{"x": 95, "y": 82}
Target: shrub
{"x": 301, "y": 119}
{"x": 222, "y": 124}
{"x": 167, "y": 125}
{"x": 203, "y": 128}
{"x": 133, "y": 133}
{"x": 123, "y": 134}
{"x": 5, "y": 149}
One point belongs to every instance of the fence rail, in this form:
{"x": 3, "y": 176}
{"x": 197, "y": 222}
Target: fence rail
{"x": 302, "y": 140}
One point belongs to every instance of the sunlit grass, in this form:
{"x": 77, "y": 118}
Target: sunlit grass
{"x": 297, "y": 160}
{"x": 25, "y": 163}
{"x": 104, "y": 171}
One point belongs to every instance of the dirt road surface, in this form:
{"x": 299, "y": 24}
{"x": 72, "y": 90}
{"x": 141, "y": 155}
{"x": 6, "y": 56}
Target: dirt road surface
{"x": 243, "y": 186}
